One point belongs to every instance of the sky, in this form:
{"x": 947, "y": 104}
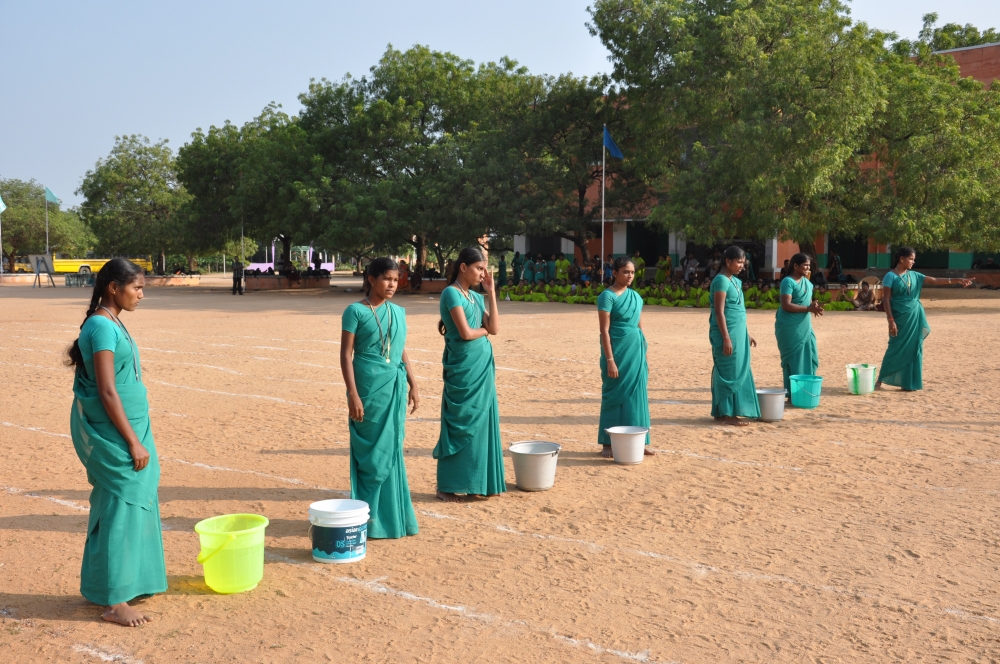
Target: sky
{"x": 74, "y": 75}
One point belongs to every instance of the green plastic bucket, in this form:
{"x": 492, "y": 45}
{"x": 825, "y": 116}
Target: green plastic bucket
{"x": 805, "y": 390}
{"x": 232, "y": 551}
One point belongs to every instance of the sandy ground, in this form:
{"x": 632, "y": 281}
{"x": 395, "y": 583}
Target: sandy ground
{"x": 865, "y": 530}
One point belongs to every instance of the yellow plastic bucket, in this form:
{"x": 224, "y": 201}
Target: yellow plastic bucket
{"x": 232, "y": 551}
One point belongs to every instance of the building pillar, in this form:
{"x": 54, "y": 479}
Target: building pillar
{"x": 879, "y": 255}
{"x": 520, "y": 244}
{"x": 823, "y": 250}
{"x": 771, "y": 257}
{"x": 677, "y": 248}
{"x": 618, "y": 246}
{"x": 567, "y": 247}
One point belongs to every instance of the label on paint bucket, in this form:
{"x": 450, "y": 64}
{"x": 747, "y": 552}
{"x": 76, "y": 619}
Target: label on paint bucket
{"x": 339, "y": 543}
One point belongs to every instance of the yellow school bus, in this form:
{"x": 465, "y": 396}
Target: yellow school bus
{"x": 88, "y": 265}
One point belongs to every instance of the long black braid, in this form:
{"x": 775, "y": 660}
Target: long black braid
{"x": 119, "y": 271}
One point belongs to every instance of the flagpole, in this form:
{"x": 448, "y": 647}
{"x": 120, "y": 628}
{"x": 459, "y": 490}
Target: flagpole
{"x": 604, "y": 157}
{"x": 1, "y": 242}
{"x": 46, "y": 225}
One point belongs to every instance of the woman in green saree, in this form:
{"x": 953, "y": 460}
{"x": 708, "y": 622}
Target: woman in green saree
{"x": 903, "y": 364}
{"x": 109, "y": 423}
{"x": 734, "y": 394}
{"x": 793, "y": 324}
{"x": 469, "y": 449}
{"x": 376, "y": 371}
{"x": 624, "y": 372}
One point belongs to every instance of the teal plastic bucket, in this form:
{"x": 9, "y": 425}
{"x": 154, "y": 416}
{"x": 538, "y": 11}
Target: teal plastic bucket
{"x": 805, "y": 390}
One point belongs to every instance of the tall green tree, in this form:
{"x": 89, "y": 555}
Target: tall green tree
{"x": 24, "y": 224}
{"x": 133, "y": 200}
{"x": 946, "y": 37}
{"x": 745, "y": 112}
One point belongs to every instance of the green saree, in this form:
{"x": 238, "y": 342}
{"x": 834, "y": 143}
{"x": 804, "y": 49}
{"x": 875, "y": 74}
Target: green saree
{"x": 378, "y": 472}
{"x": 469, "y": 449}
{"x": 733, "y": 391}
{"x": 123, "y": 554}
{"x": 903, "y": 364}
{"x": 796, "y": 339}
{"x": 624, "y": 400}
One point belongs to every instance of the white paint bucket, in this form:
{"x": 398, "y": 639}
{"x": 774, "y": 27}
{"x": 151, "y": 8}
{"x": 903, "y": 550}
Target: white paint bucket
{"x": 534, "y": 464}
{"x": 628, "y": 444}
{"x": 861, "y": 378}
{"x": 772, "y": 404}
{"x": 339, "y": 530}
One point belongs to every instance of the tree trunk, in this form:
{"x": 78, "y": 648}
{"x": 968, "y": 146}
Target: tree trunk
{"x": 161, "y": 267}
{"x": 420, "y": 244}
{"x": 809, "y": 248}
{"x": 579, "y": 240}
{"x": 191, "y": 265}
{"x": 438, "y": 251}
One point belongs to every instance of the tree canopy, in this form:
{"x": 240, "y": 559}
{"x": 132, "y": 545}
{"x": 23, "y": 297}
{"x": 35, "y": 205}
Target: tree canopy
{"x": 24, "y": 224}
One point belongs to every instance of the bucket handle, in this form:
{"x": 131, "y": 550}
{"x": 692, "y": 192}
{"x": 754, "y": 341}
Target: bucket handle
{"x": 202, "y": 559}
{"x": 811, "y": 394}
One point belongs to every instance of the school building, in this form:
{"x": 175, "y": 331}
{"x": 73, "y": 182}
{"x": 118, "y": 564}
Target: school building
{"x": 859, "y": 254}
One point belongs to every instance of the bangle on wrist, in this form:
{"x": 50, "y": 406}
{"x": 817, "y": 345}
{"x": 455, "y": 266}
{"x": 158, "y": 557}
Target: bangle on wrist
{"x": 610, "y": 359}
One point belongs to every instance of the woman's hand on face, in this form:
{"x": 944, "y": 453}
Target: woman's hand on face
{"x": 727, "y": 347}
{"x": 140, "y": 456}
{"x": 488, "y": 284}
{"x": 355, "y": 409}
{"x": 414, "y": 399}
{"x": 753, "y": 342}
{"x": 893, "y": 330}
{"x": 612, "y": 369}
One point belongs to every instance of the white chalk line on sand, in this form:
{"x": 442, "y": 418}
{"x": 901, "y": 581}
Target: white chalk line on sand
{"x": 103, "y": 655}
{"x": 701, "y": 569}
{"x": 287, "y": 480}
{"x": 235, "y": 394}
{"x": 758, "y": 464}
{"x": 36, "y": 430}
{"x": 57, "y": 501}
{"x": 378, "y": 587}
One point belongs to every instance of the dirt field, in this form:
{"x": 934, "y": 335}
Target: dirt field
{"x": 865, "y": 530}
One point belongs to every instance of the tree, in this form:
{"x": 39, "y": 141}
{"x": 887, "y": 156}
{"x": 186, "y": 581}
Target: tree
{"x": 24, "y": 224}
{"x": 948, "y": 36}
{"x": 566, "y": 139}
{"x": 927, "y": 173}
{"x": 745, "y": 112}
{"x": 133, "y": 199}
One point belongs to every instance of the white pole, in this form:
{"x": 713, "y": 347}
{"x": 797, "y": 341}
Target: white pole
{"x": 223, "y": 263}
{"x": 1, "y": 244}
{"x": 604, "y": 157}
{"x": 46, "y": 225}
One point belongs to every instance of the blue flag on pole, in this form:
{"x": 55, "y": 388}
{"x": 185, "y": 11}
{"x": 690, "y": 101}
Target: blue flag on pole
{"x": 609, "y": 143}
{"x": 50, "y": 197}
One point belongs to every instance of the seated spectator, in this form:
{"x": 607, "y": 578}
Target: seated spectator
{"x": 865, "y": 300}
{"x": 818, "y": 279}
{"x": 989, "y": 264}
{"x": 416, "y": 276}
{"x": 785, "y": 271}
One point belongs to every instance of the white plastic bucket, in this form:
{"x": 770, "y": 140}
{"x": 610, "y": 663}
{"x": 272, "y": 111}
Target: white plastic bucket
{"x": 535, "y": 464}
{"x": 861, "y": 378}
{"x": 628, "y": 444}
{"x": 772, "y": 404}
{"x": 339, "y": 530}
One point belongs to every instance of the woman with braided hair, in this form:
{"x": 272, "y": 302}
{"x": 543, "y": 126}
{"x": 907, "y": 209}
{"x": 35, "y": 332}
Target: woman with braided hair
{"x": 109, "y": 423}
{"x": 469, "y": 451}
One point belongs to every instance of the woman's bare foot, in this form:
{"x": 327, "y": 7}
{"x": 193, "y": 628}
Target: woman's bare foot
{"x": 448, "y": 497}
{"x": 648, "y": 452}
{"x": 735, "y": 421}
{"x": 126, "y": 615}
{"x": 606, "y": 451}
{"x": 878, "y": 385}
